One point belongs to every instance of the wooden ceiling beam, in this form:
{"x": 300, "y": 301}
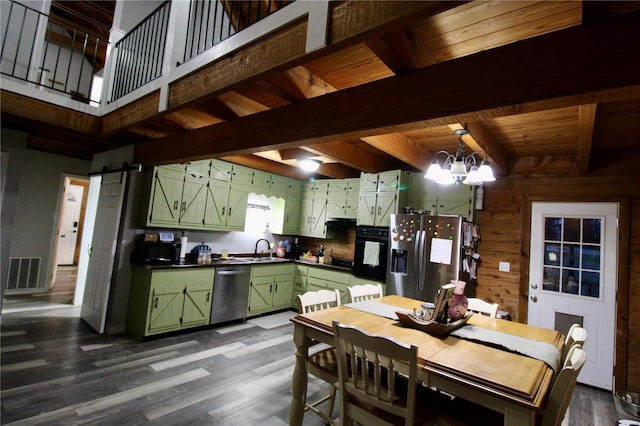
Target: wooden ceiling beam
{"x": 558, "y": 69}
{"x": 397, "y": 49}
{"x": 586, "y": 121}
{"x": 401, "y": 147}
{"x": 241, "y": 105}
{"x": 267, "y": 165}
{"x": 351, "y": 156}
{"x": 44, "y": 112}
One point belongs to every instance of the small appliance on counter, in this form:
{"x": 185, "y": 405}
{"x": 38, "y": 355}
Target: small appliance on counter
{"x": 156, "y": 248}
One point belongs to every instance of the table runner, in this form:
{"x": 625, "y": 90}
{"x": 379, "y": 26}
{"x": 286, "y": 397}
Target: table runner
{"x": 378, "y": 308}
{"x": 542, "y": 351}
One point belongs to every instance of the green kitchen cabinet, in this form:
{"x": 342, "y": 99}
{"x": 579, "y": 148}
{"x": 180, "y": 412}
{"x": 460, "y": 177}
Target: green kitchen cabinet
{"x": 381, "y": 195}
{"x": 313, "y": 213}
{"x": 342, "y": 201}
{"x": 166, "y": 196}
{"x": 324, "y": 278}
{"x": 194, "y": 195}
{"x": 299, "y": 283}
{"x": 427, "y": 195}
{"x": 261, "y": 182}
{"x": 292, "y": 211}
{"x": 237, "y": 208}
{"x": 225, "y": 206}
{"x": 271, "y": 288}
{"x": 220, "y": 170}
{"x": 162, "y": 301}
{"x": 241, "y": 175}
{"x": 278, "y": 185}
{"x": 216, "y": 204}
{"x": 313, "y": 216}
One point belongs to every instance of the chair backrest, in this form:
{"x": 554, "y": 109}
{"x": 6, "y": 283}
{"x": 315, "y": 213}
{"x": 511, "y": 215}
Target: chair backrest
{"x": 367, "y": 367}
{"x": 562, "y": 389}
{"x": 479, "y": 306}
{"x": 358, "y": 293}
{"x": 576, "y": 336}
{"x": 318, "y": 300}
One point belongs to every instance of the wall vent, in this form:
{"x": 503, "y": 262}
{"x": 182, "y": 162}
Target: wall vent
{"x": 24, "y": 273}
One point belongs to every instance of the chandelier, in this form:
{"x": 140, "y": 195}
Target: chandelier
{"x": 473, "y": 169}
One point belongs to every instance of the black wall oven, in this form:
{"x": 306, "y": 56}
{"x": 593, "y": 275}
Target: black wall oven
{"x": 371, "y": 253}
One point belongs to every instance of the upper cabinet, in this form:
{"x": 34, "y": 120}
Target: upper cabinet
{"x": 342, "y": 201}
{"x": 441, "y": 199}
{"x": 381, "y": 195}
{"x": 313, "y": 214}
{"x": 213, "y": 194}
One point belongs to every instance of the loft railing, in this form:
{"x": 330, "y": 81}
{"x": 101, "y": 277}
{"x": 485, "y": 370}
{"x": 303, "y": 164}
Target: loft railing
{"x": 213, "y": 21}
{"x": 139, "y": 55}
{"x": 49, "y": 53}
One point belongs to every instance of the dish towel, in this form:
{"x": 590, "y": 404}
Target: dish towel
{"x": 542, "y": 351}
{"x": 371, "y": 253}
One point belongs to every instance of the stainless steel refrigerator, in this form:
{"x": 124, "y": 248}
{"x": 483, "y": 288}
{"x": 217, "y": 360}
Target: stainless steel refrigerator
{"x": 425, "y": 253}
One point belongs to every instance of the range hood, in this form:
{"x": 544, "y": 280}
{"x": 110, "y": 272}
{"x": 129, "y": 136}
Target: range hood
{"x": 340, "y": 221}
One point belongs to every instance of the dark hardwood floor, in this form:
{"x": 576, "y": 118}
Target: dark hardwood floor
{"x": 56, "y": 370}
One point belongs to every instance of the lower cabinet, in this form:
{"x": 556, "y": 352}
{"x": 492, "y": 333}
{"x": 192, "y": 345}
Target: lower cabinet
{"x": 271, "y": 288}
{"x": 161, "y": 301}
{"x": 314, "y": 278}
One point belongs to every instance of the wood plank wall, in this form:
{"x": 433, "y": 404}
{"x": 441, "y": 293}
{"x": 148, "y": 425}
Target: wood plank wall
{"x": 505, "y": 226}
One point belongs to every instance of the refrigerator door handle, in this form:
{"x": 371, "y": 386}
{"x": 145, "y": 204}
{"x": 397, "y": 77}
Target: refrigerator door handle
{"x": 420, "y": 262}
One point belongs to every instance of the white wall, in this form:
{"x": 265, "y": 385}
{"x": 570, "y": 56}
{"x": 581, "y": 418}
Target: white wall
{"x": 33, "y": 230}
{"x": 133, "y": 11}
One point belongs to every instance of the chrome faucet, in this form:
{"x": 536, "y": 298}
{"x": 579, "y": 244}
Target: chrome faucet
{"x": 255, "y": 252}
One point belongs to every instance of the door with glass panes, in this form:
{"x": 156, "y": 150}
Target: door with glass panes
{"x": 573, "y": 278}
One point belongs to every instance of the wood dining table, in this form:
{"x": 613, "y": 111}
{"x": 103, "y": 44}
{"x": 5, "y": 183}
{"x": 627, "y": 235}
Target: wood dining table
{"x": 504, "y": 381}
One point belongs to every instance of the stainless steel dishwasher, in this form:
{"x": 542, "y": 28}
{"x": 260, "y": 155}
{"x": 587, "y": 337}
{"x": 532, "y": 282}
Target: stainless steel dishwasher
{"x": 230, "y": 293}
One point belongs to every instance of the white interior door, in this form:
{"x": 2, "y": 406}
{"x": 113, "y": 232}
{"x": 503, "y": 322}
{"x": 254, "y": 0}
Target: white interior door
{"x": 102, "y": 251}
{"x": 69, "y": 221}
{"x": 573, "y": 278}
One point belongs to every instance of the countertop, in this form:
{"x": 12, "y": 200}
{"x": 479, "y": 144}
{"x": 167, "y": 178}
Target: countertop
{"x": 236, "y": 261}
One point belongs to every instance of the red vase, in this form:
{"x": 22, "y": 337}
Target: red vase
{"x": 458, "y": 303}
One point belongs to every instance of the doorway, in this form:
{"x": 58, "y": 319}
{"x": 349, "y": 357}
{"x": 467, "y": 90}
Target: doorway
{"x": 573, "y": 278}
{"x": 71, "y": 213}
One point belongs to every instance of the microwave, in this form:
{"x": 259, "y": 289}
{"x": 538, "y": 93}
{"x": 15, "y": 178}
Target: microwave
{"x": 157, "y": 251}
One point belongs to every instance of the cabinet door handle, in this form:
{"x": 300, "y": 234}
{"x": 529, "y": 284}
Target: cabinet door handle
{"x": 271, "y": 288}
{"x": 155, "y": 303}
{"x": 373, "y": 211}
{"x": 379, "y": 211}
{"x": 229, "y": 211}
{"x": 208, "y": 295}
{"x": 276, "y": 287}
{"x": 223, "y": 209}
{"x": 184, "y": 205}
{"x": 175, "y": 205}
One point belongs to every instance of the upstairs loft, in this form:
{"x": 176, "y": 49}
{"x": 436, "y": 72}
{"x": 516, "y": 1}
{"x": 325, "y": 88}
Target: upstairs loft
{"x": 361, "y": 86}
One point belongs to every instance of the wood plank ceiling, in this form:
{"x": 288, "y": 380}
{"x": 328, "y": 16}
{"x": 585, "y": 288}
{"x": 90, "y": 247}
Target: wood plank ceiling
{"x": 391, "y": 96}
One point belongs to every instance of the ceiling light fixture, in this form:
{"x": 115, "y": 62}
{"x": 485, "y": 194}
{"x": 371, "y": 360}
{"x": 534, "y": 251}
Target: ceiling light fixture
{"x": 309, "y": 164}
{"x": 458, "y": 168}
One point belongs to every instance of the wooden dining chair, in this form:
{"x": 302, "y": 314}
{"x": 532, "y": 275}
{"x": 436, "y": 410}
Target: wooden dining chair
{"x": 559, "y": 397}
{"x": 378, "y": 380}
{"x": 358, "y": 293}
{"x": 576, "y": 336}
{"x": 322, "y": 362}
{"x": 479, "y": 306}
{"x": 463, "y": 412}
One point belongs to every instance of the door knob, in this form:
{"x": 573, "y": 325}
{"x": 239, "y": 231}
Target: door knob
{"x": 534, "y": 286}
{"x": 534, "y": 299}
